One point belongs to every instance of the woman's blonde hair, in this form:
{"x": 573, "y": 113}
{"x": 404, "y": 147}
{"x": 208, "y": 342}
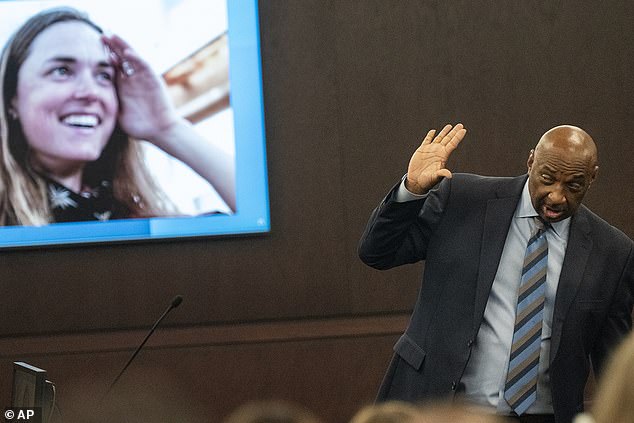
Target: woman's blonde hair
{"x": 387, "y": 412}
{"x": 432, "y": 412}
{"x": 23, "y": 192}
{"x": 614, "y": 399}
{"x": 272, "y": 411}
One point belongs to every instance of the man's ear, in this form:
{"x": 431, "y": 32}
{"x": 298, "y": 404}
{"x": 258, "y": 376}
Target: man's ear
{"x": 531, "y": 159}
{"x": 593, "y": 175}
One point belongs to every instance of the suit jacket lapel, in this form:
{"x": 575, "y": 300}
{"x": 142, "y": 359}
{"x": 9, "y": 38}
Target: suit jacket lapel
{"x": 577, "y": 252}
{"x": 497, "y": 220}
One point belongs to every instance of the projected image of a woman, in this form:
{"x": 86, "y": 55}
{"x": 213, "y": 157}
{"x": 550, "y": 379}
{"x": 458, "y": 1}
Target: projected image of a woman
{"x": 74, "y": 103}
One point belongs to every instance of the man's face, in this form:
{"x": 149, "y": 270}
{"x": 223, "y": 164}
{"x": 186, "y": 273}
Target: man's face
{"x": 558, "y": 179}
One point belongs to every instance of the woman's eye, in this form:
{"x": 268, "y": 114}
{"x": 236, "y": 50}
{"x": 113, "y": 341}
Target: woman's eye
{"x": 105, "y": 76}
{"x": 61, "y": 71}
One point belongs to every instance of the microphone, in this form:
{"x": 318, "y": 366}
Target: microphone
{"x": 175, "y": 303}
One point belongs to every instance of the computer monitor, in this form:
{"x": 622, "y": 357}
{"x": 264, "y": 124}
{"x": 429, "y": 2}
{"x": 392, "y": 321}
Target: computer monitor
{"x": 31, "y": 389}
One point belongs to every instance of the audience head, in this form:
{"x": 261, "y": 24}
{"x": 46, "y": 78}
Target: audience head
{"x": 272, "y": 412}
{"x": 614, "y": 399}
{"x": 400, "y": 412}
{"x": 387, "y": 412}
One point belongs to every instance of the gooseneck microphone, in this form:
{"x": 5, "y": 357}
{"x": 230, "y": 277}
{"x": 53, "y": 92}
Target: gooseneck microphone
{"x": 175, "y": 303}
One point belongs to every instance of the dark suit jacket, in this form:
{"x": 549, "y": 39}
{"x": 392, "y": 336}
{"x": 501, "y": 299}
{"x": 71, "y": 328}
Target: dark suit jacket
{"x": 459, "y": 229}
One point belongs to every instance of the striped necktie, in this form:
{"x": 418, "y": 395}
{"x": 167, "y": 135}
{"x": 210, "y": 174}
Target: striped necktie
{"x": 520, "y": 390}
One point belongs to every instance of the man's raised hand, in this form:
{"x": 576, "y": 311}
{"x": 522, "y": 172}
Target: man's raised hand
{"x": 427, "y": 165}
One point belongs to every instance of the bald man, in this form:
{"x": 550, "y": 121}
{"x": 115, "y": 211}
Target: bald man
{"x": 524, "y": 288}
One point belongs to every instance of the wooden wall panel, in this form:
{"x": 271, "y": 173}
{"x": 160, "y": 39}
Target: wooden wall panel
{"x": 197, "y": 375}
{"x": 350, "y": 87}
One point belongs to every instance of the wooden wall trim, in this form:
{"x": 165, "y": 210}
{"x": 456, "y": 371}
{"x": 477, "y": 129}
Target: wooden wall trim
{"x": 225, "y": 334}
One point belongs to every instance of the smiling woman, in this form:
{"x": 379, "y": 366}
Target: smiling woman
{"x": 74, "y": 104}
{"x": 66, "y": 101}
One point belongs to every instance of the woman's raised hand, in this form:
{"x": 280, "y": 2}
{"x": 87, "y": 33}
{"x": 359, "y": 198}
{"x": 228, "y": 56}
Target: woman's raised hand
{"x": 146, "y": 112}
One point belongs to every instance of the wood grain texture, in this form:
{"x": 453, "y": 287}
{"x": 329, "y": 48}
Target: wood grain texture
{"x": 350, "y": 87}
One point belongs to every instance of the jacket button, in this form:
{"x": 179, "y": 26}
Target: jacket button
{"x": 470, "y": 343}
{"x": 453, "y": 386}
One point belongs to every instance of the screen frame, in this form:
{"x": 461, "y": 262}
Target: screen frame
{"x": 252, "y": 216}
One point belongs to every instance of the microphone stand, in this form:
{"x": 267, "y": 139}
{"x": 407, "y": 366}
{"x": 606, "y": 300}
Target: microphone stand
{"x": 175, "y": 303}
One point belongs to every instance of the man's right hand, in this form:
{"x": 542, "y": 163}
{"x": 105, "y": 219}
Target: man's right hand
{"x": 427, "y": 165}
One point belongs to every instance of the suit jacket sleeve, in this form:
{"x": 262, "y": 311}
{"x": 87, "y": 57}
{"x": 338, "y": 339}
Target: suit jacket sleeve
{"x": 398, "y": 233}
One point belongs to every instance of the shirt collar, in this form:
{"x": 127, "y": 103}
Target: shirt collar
{"x": 525, "y": 209}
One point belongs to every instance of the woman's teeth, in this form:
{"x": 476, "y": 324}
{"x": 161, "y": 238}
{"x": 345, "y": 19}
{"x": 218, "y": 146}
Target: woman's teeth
{"x": 84, "y": 121}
